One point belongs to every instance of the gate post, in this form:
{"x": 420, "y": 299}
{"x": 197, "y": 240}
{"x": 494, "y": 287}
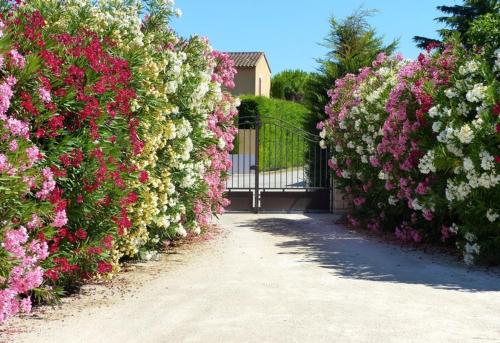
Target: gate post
{"x": 256, "y": 195}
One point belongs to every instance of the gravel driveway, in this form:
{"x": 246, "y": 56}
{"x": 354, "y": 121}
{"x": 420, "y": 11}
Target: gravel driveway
{"x": 283, "y": 278}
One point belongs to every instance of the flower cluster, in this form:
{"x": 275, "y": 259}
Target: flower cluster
{"x": 115, "y": 135}
{"x": 416, "y": 147}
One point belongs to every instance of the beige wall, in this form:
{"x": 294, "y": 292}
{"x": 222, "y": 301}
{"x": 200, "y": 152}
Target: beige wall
{"x": 262, "y": 72}
{"x": 244, "y": 82}
{"x": 247, "y": 80}
{"x": 246, "y": 139}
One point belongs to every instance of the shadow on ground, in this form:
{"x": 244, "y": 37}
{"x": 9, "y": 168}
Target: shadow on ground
{"x": 351, "y": 255}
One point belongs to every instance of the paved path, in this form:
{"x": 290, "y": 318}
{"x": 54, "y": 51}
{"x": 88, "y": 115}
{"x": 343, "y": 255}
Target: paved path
{"x": 287, "y": 278}
{"x": 295, "y": 177}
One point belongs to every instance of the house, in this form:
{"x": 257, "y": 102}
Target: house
{"x": 254, "y": 74}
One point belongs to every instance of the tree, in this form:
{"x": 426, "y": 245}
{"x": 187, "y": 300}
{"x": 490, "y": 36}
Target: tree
{"x": 352, "y": 43}
{"x": 289, "y": 85}
{"x": 458, "y": 19}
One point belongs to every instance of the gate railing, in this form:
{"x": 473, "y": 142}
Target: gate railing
{"x": 273, "y": 156}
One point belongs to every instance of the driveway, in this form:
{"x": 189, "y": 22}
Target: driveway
{"x": 284, "y": 278}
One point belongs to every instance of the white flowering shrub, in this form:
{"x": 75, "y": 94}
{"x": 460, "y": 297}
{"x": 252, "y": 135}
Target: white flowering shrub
{"x": 416, "y": 146}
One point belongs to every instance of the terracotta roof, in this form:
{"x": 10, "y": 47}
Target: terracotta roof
{"x": 247, "y": 59}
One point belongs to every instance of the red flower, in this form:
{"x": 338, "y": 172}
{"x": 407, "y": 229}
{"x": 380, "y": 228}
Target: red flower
{"x": 104, "y": 267}
{"x": 51, "y": 274}
{"x": 63, "y": 232}
{"x": 108, "y": 242}
{"x": 143, "y": 176}
{"x": 497, "y": 159}
{"x": 81, "y": 234}
{"x": 94, "y": 250}
{"x": 27, "y": 104}
{"x": 58, "y": 172}
{"x": 496, "y": 109}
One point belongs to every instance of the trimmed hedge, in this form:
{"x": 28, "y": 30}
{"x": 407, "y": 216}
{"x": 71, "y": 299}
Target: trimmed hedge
{"x": 273, "y": 155}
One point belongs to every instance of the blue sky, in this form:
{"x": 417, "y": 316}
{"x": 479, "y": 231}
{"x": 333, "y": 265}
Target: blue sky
{"x": 290, "y": 31}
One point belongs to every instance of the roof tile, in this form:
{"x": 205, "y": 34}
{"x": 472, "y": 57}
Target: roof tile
{"x": 245, "y": 59}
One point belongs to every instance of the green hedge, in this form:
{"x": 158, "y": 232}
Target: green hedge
{"x": 277, "y": 145}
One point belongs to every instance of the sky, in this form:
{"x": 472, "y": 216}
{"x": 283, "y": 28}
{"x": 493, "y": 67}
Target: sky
{"x": 290, "y": 32}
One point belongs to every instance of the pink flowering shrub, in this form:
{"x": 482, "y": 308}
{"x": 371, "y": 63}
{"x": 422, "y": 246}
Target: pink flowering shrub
{"x": 416, "y": 148}
{"x": 25, "y": 211}
{"x": 106, "y": 151}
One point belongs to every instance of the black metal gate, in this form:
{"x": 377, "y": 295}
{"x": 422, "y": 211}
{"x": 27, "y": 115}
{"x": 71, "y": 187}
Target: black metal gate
{"x": 278, "y": 167}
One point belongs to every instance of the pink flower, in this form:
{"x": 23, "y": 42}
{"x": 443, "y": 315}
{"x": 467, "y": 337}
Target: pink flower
{"x": 13, "y": 241}
{"x": 13, "y": 145}
{"x": 33, "y": 154}
{"x": 427, "y": 214}
{"x": 35, "y": 222}
{"x": 359, "y": 201}
{"x": 44, "y": 95}
{"x": 25, "y": 305}
{"x": 17, "y": 59}
{"x": 60, "y": 219}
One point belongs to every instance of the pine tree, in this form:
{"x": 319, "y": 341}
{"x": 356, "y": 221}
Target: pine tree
{"x": 458, "y": 20}
{"x": 352, "y": 44}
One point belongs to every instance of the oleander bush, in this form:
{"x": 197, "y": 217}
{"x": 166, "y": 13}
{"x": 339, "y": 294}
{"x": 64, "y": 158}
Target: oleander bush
{"x": 417, "y": 147}
{"x": 114, "y": 140}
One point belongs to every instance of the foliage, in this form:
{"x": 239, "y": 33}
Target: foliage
{"x": 417, "y": 148}
{"x": 459, "y": 19}
{"x": 289, "y": 85}
{"x": 114, "y": 139}
{"x": 352, "y": 44}
{"x": 273, "y": 155}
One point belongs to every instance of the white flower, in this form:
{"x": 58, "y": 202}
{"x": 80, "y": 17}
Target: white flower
{"x": 357, "y": 124}
{"x": 181, "y": 231}
{"x": 322, "y": 144}
{"x": 322, "y": 134}
{"x": 338, "y": 148}
{"x": 465, "y": 135}
{"x": 221, "y": 144}
{"x": 492, "y": 215}
{"x": 393, "y": 200}
{"x": 468, "y": 165}
{"x": 382, "y": 176}
{"x": 457, "y": 192}
{"x": 463, "y": 109}
{"x": 436, "y": 126}
{"x": 450, "y": 93}
{"x": 487, "y": 160}
{"x": 345, "y": 174}
{"x": 416, "y": 205}
{"x": 426, "y": 164}
{"x": 497, "y": 61}
{"x": 477, "y": 93}
{"x": 454, "y": 149}
{"x": 434, "y": 112}
{"x": 468, "y": 68}
{"x": 469, "y": 236}
{"x": 453, "y": 228}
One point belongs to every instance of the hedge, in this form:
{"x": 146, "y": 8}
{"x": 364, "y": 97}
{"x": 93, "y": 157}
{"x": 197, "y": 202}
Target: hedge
{"x": 417, "y": 147}
{"x": 273, "y": 139}
{"x": 114, "y": 140}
